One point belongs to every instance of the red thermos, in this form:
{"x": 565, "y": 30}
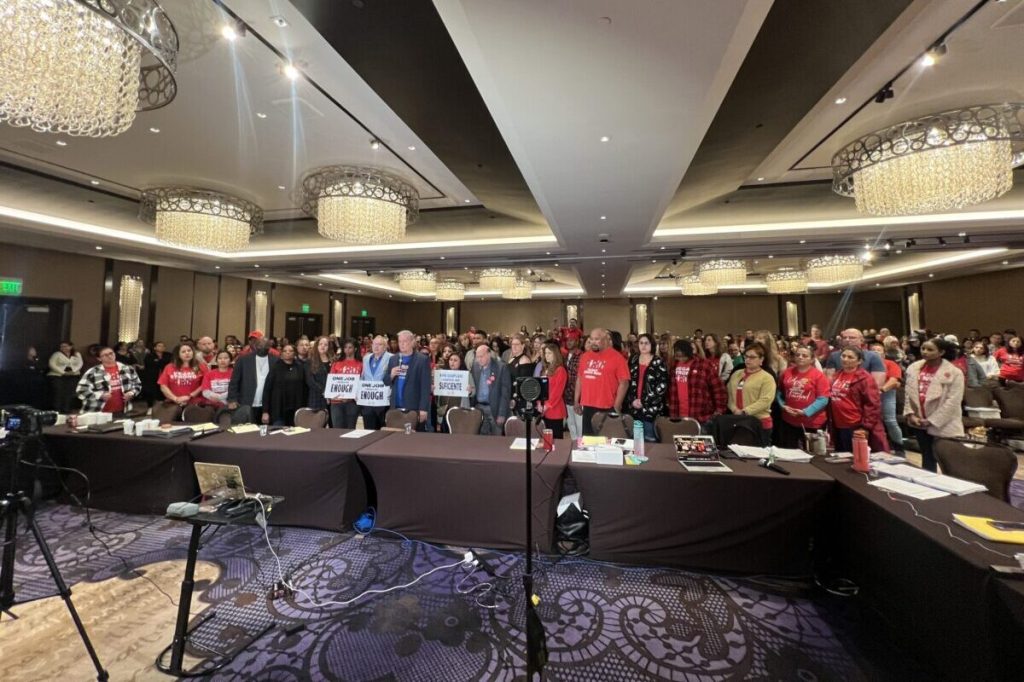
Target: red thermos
{"x": 861, "y": 459}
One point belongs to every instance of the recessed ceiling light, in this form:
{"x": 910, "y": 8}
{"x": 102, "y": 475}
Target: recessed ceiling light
{"x": 756, "y": 262}
{"x": 899, "y": 251}
{"x": 99, "y": 248}
{"x": 411, "y": 147}
{"x": 256, "y": 265}
{"x": 374, "y": 144}
{"x": 467, "y": 201}
{"x": 216, "y": 267}
{"x": 803, "y": 241}
{"x": 663, "y": 248}
{"x": 602, "y": 274}
{"x": 62, "y": 143}
{"x": 840, "y": 100}
{"x": 602, "y": 262}
{"x": 761, "y": 179}
{"x": 154, "y": 130}
{"x": 961, "y": 234}
{"x": 604, "y": 217}
{"x": 928, "y": 60}
{"x": 302, "y": 274}
{"x": 604, "y": 250}
{"x": 266, "y": 275}
{"x": 547, "y": 253}
{"x": 279, "y": 21}
{"x": 770, "y": 256}
{"x": 605, "y": 138}
{"x": 930, "y": 274}
{"x": 380, "y": 271}
{"x": 291, "y": 72}
{"x": 465, "y": 267}
{"x": 228, "y": 31}
{"x": 878, "y": 284}
{"x": 556, "y": 265}
{"x": 320, "y": 284}
{"x": 442, "y": 257}
{"x": 1006, "y": 262}
{"x": 260, "y": 114}
{"x": 281, "y": 187}
{"x": 654, "y": 260}
{"x": 94, "y": 182}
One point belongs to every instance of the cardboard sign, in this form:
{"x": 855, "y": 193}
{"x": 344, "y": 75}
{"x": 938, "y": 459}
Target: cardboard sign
{"x": 373, "y": 394}
{"x": 342, "y": 387}
{"x": 451, "y": 382}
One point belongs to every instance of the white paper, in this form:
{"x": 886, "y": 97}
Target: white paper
{"x": 713, "y": 467}
{"x": 790, "y": 455}
{"x": 451, "y": 382}
{"x": 918, "y": 492}
{"x": 357, "y": 433}
{"x": 572, "y": 500}
{"x": 749, "y": 451}
{"x": 374, "y": 394}
{"x": 584, "y": 457}
{"x": 520, "y": 444}
{"x": 342, "y": 387}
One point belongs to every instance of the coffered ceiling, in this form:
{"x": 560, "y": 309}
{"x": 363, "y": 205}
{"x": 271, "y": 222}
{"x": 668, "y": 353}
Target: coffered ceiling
{"x": 599, "y": 146}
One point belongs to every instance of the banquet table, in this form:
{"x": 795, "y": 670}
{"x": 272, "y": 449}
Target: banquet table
{"x": 464, "y": 490}
{"x": 752, "y": 520}
{"x": 937, "y": 593}
{"x": 130, "y": 474}
{"x": 316, "y": 471}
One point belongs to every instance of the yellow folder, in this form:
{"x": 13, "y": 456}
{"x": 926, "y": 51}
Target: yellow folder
{"x": 980, "y": 525}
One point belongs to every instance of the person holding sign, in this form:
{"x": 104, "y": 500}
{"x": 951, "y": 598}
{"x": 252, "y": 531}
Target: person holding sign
{"x": 446, "y": 402}
{"x": 408, "y": 376}
{"x": 345, "y": 411}
{"x": 375, "y": 366}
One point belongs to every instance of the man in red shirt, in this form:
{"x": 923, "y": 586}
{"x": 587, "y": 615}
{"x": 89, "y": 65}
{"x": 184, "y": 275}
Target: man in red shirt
{"x": 254, "y": 336}
{"x": 573, "y": 331}
{"x": 695, "y": 389}
{"x": 602, "y": 380}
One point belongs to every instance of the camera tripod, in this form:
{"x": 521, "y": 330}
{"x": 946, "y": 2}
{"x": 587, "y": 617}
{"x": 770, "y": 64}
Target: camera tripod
{"x": 536, "y": 649}
{"x": 16, "y": 502}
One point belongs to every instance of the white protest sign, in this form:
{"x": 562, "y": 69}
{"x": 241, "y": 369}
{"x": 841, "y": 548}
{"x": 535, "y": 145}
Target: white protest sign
{"x": 374, "y": 394}
{"x": 451, "y": 382}
{"x": 342, "y": 386}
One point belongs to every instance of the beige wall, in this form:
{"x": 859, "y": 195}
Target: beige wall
{"x": 990, "y": 301}
{"x": 715, "y": 314}
{"x": 204, "y": 305}
{"x": 862, "y": 309}
{"x": 392, "y": 316}
{"x": 54, "y": 274}
{"x": 289, "y": 299}
{"x": 612, "y": 314}
{"x": 173, "y": 293}
{"x": 507, "y": 316}
{"x": 232, "y": 308}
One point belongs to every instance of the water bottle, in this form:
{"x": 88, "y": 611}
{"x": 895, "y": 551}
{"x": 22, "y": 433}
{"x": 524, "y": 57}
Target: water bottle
{"x": 861, "y": 454}
{"x": 638, "y": 437}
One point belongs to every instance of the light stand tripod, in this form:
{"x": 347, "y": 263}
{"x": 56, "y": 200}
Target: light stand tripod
{"x": 17, "y": 501}
{"x": 536, "y": 648}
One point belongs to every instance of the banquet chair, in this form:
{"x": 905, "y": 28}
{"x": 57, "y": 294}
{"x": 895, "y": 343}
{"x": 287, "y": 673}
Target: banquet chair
{"x": 464, "y": 420}
{"x": 1011, "y": 409}
{"x": 980, "y": 396}
{"x": 166, "y": 412}
{"x": 515, "y": 427}
{"x": 197, "y": 414}
{"x": 396, "y": 418}
{"x": 666, "y": 428}
{"x": 609, "y": 426}
{"x": 311, "y": 419}
{"x": 991, "y": 465}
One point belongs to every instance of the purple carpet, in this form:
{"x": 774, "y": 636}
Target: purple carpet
{"x": 602, "y": 622}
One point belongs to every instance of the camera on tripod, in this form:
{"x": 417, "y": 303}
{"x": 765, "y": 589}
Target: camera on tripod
{"x": 528, "y": 390}
{"x": 25, "y": 420}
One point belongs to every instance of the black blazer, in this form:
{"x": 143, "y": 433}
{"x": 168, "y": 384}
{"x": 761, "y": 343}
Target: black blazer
{"x": 500, "y": 394}
{"x": 242, "y": 389}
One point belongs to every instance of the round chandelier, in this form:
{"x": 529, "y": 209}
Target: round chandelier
{"x": 521, "y": 289}
{"x": 200, "y": 219}
{"x": 722, "y": 272}
{"x": 786, "y": 282}
{"x": 417, "y": 281}
{"x": 358, "y": 205}
{"x": 84, "y": 67}
{"x": 450, "y": 290}
{"x": 834, "y": 269}
{"x": 498, "y": 279}
{"x": 940, "y": 162}
{"x": 692, "y": 285}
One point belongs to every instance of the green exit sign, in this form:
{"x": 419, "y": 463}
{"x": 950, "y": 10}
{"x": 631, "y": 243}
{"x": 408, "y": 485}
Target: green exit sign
{"x": 363, "y": 313}
{"x": 10, "y": 286}
{"x": 305, "y": 307}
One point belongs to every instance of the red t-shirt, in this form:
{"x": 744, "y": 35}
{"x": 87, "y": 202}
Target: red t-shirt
{"x": 599, "y": 375}
{"x": 217, "y": 381}
{"x": 566, "y": 333}
{"x": 181, "y": 380}
{"x": 681, "y": 385}
{"x": 924, "y": 380}
{"x": 799, "y": 391}
{"x": 115, "y": 403}
{"x": 345, "y": 367}
{"x": 1011, "y": 366}
{"x": 845, "y": 412}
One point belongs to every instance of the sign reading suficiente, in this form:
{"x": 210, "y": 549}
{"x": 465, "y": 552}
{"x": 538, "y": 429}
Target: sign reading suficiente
{"x": 10, "y": 286}
{"x": 451, "y": 382}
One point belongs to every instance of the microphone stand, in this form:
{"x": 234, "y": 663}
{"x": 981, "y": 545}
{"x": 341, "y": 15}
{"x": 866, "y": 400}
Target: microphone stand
{"x": 536, "y": 650}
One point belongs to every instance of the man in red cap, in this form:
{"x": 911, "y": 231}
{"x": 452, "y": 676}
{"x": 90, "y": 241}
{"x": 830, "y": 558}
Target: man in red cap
{"x": 254, "y": 336}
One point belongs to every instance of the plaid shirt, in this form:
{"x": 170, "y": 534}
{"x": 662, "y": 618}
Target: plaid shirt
{"x": 706, "y": 392}
{"x": 572, "y": 366}
{"x": 95, "y": 383}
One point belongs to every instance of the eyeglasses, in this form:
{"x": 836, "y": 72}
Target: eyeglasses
{"x": 752, "y": 356}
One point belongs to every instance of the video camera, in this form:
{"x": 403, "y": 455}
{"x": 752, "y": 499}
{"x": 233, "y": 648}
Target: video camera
{"x": 25, "y": 420}
{"x": 528, "y": 390}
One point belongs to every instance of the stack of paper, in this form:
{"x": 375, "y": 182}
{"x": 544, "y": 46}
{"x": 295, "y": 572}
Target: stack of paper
{"x": 947, "y": 484}
{"x": 749, "y": 451}
{"x": 244, "y": 428}
{"x": 294, "y": 430}
{"x": 790, "y": 455}
{"x": 896, "y": 485}
{"x": 357, "y": 433}
{"x": 520, "y": 444}
{"x": 203, "y": 428}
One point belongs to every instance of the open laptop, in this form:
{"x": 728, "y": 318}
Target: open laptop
{"x": 220, "y": 481}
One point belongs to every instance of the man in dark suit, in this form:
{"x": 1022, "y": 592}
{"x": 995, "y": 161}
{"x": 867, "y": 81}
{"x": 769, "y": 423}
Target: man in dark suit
{"x": 408, "y": 376}
{"x": 248, "y": 378}
{"x": 493, "y": 391}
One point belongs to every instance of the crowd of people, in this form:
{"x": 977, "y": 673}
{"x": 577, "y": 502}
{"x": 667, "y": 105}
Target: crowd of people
{"x": 781, "y": 387}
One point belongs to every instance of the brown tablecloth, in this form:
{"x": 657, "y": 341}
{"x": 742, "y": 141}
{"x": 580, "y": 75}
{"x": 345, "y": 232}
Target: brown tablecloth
{"x": 751, "y": 520}
{"x": 464, "y": 490}
{"x": 130, "y": 474}
{"x": 316, "y": 472}
{"x": 937, "y": 594}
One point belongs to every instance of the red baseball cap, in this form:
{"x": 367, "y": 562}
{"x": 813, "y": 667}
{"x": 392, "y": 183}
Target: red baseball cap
{"x": 255, "y": 334}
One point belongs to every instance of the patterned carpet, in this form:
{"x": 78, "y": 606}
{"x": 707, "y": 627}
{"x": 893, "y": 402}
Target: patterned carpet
{"x": 602, "y": 622}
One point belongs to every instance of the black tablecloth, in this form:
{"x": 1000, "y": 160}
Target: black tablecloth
{"x": 130, "y": 474}
{"x": 464, "y": 490}
{"x": 937, "y": 594}
{"x": 752, "y": 520}
{"x": 317, "y": 472}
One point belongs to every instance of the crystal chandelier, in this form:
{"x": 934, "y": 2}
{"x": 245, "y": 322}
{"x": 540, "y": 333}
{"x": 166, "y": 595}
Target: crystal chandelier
{"x": 498, "y": 279}
{"x": 937, "y": 163}
{"x": 722, "y": 272}
{"x": 129, "y": 303}
{"x": 84, "y": 67}
{"x": 786, "y": 282}
{"x": 359, "y": 205}
{"x": 417, "y": 281}
{"x": 521, "y": 289}
{"x": 834, "y": 269}
{"x": 451, "y": 290}
{"x": 691, "y": 285}
{"x": 200, "y": 219}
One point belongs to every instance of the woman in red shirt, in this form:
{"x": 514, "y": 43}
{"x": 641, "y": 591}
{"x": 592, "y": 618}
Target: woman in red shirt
{"x": 856, "y": 404}
{"x": 181, "y": 381}
{"x": 1011, "y": 361}
{"x": 553, "y": 410}
{"x": 803, "y": 397}
{"x": 344, "y": 413}
{"x": 216, "y": 380}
